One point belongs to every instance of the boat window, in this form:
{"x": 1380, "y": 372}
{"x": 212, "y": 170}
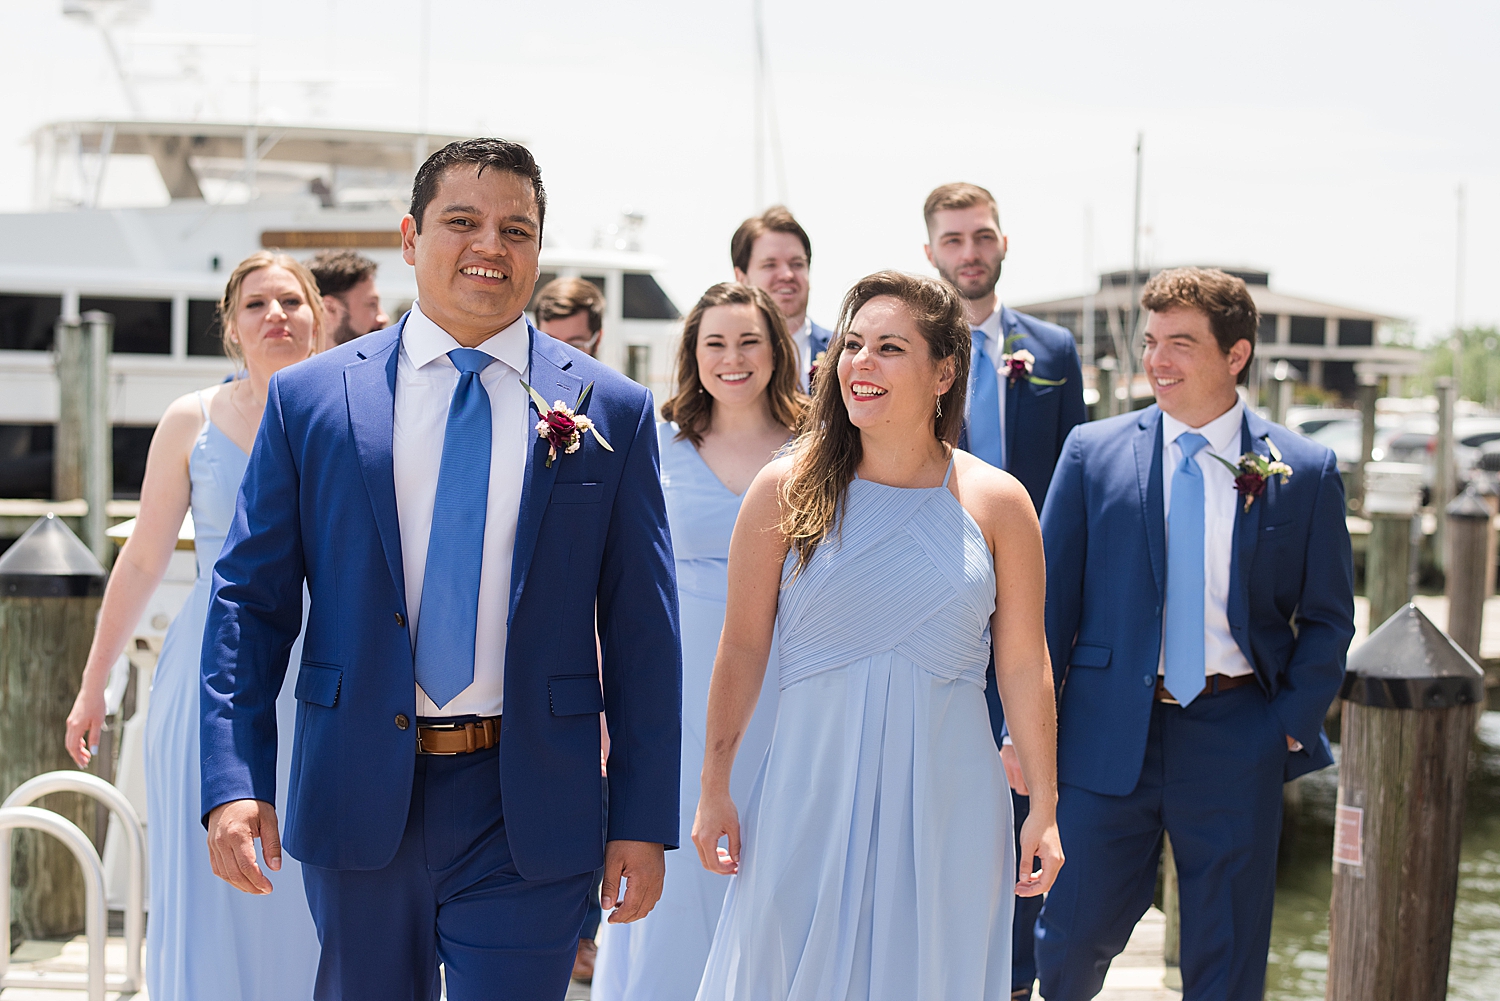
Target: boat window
{"x": 595, "y": 280}
{"x": 541, "y": 283}
{"x": 130, "y": 444}
{"x": 26, "y": 461}
{"x": 646, "y": 300}
{"x": 142, "y": 326}
{"x": 26, "y": 323}
{"x": 204, "y": 336}
{"x": 638, "y": 363}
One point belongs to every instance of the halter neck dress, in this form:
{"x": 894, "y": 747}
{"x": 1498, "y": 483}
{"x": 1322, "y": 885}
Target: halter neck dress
{"x": 878, "y": 862}
{"x": 205, "y": 938}
{"x": 661, "y": 956}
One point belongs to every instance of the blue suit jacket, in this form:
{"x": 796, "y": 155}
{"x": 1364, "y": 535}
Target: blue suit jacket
{"x": 318, "y": 502}
{"x": 1291, "y": 593}
{"x": 819, "y": 337}
{"x": 1038, "y": 418}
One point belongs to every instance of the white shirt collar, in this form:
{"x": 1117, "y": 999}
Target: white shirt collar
{"x": 803, "y": 333}
{"x": 1223, "y": 432}
{"x": 991, "y": 324}
{"x": 425, "y": 342}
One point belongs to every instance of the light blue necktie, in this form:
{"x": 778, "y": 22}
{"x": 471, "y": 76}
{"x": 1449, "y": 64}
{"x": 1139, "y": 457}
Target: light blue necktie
{"x": 985, "y": 439}
{"x": 1184, "y": 633}
{"x": 455, "y": 549}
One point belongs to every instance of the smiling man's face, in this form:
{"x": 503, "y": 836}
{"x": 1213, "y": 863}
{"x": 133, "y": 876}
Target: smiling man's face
{"x": 477, "y": 255}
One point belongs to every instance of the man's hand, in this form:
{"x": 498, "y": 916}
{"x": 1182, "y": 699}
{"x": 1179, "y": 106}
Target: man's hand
{"x": 1039, "y": 840}
{"x": 643, "y": 866}
{"x": 1013, "y": 773}
{"x": 232, "y": 830}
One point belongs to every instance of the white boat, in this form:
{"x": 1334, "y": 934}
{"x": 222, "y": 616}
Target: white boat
{"x": 212, "y": 193}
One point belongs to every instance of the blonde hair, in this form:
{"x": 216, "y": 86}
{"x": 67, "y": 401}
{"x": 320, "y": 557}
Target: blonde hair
{"x": 829, "y": 449}
{"x": 234, "y": 288}
{"x": 691, "y": 406}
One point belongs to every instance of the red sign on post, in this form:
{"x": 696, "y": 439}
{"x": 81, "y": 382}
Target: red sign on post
{"x": 1348, "y": 835}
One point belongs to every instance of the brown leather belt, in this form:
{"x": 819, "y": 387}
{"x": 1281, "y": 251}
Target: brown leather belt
{"x": 458, "y": 738}
{"x": 1216, "y": 683}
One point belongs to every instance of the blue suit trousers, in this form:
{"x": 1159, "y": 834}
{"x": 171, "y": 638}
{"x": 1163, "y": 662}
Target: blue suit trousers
{"x": 1212, "y": 779}
{"x": 451, "y": 895}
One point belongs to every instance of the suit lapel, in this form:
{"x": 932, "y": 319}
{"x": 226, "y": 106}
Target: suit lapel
{"x": 548, "y": 375}
{"x": 1010, "y": 393}
{"x": 370, "y": 389}
{"x": 1246, "y": 535}
{"x": 1148, "y": 471}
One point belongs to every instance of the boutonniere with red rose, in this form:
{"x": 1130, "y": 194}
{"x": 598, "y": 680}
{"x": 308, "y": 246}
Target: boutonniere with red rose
{"x": 1017, "y": 365}
{"x": 812, "y": 373}
{"x": 1253, "y": 471}
{"x": 562, "y": 426}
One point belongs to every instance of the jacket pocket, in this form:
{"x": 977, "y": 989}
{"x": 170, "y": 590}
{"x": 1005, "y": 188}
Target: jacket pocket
{"x": 319, "y": 684}
{"x": 1089, "y": 655}
{"x": 577, "y": 493}
{"x": 574, "y": 694}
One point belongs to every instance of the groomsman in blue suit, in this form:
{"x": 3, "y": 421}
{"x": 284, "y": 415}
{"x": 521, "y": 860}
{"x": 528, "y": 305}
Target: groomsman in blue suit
{"x": 445, "y": 797}
{"x": 1198, "y": 620}
{"x": 1025, "y": 395}
{"x": 772, "y": 252}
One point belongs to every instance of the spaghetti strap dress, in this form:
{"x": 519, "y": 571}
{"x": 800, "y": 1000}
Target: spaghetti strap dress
{"x": 206, "y": 939}
{"x": 877, "y": 860}
{"x": 661, "y": 956}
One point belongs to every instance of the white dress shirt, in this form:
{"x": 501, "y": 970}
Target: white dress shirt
{"x": 425, "y": 381}
{"x": 1221, "y": 655}
{"x": 994, "y": 349}
{"x": 802, "y": 337}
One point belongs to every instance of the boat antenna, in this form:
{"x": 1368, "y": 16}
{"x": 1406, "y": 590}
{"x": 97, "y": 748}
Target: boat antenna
{"x": 767, "y": 124}
{"x": 106, "y": 15}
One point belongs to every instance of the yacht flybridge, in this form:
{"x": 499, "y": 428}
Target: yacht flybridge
{"x": 210, "y": 194}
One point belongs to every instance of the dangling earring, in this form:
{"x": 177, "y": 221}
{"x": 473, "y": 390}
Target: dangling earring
{"x": 940, "y": 408}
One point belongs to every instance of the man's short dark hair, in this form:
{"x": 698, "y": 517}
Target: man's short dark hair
{"x": 338, "y": 271}
{"x": 562, "y": 297}
{"x": 502, "y": 154}
{"x": 776, "y": 219}
{"x": 1220, "y": 296}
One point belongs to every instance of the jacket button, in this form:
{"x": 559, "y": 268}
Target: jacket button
{"x": 400, "y": 620}
{"x": 1147, "y": 681}
{"x": 402, "y": 722}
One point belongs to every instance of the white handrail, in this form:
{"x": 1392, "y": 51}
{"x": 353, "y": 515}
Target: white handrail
{"x": 64, "y": 830}
{"x": 29, "y": 792}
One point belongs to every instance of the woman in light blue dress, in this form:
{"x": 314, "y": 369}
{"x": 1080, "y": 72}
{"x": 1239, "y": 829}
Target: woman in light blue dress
{"x": 875, "y": 860}
{"x": 206, "y": 939}
{"x": 735, "y": 406}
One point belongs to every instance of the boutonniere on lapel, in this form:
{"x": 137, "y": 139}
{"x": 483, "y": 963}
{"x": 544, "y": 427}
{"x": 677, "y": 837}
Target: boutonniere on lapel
{"x": 1254, "y": 471}
{"x": 563, "y": 426}
{"x": 1017, "y": 365}
{"x": 812, "y": 373}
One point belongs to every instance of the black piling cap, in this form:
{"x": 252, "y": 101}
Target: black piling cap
{"x": 49, "y": 561}
{"x": 1468, "y": 505}
{"x": 1409, "y": 663}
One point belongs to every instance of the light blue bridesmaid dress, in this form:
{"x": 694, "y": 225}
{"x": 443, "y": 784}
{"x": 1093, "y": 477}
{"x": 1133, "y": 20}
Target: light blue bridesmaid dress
{"x": 205, "y": 939}
{"x": 878, "y": 862}
{"x": 661, "y": 957}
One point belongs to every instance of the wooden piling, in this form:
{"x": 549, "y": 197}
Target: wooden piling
{"x": 50, "y": 590}
{"x": 1409, "y": 701}
{"x": 1468, "y": 559}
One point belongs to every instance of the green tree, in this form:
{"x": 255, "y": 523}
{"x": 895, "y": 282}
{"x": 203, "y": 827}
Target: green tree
{"x": 1481, "y": 368}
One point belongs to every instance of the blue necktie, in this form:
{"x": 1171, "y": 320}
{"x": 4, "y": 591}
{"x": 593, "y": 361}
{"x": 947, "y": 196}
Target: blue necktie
{"x": 455, "y": 549}
{"x": 985, "y": 439}
{"x": 1184, "y": 631}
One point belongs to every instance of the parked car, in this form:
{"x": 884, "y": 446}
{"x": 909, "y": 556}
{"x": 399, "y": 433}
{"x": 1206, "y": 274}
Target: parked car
{"x": 1307, "y": 420}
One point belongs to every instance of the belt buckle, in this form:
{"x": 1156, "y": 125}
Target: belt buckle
{"x": 442, "y": 727}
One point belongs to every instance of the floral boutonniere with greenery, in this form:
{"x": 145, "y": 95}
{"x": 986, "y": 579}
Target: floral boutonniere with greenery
{"x": 562, "y": 426}
{"x": 1253, "y": 471}
{"x": 1017, "y": 365}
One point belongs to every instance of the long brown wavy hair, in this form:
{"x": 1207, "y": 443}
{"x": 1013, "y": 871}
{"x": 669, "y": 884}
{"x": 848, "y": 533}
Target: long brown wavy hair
{"x": 691, "y": 406}
{"x": 829, "y": 449}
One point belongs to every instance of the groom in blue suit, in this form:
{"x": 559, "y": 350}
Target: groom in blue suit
{"x": 445, "y": 799}
{"x": 1198, "y": 621}
{"x": 1019, "y": 416}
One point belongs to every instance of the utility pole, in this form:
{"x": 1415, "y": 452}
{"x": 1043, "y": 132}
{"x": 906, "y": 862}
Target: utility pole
{"x": 767, "y": 124}
{"x": 1458, "y": 294}
{"x": 1086, "y": 329}
{"x": 1127, "y": 363}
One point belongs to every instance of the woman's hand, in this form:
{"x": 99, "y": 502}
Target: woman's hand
{"x": 717, "y": 818}
{"x": 1039, "y": 840}
{"x": 85, "y": 724}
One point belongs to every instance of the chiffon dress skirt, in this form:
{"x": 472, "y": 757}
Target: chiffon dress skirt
{"x": 877, "y": 861}
{"x": 206, "y": 940}
{"x": 661, "y": 956}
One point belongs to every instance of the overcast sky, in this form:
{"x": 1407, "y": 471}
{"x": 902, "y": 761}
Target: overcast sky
{"x": 1321, "y": 141}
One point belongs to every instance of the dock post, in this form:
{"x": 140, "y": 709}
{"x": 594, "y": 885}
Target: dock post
{"x": 70, "y": 361}
{"x": 98, "y": 450}
{"x": 1410, "y": 696}
{"x": 1369, "y": 391}
{"x": 50, "y": 590}
{"x": 1390, "y": 503}
{"x": 1444, "y": 474}
{"x": 1468, "y": 559}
